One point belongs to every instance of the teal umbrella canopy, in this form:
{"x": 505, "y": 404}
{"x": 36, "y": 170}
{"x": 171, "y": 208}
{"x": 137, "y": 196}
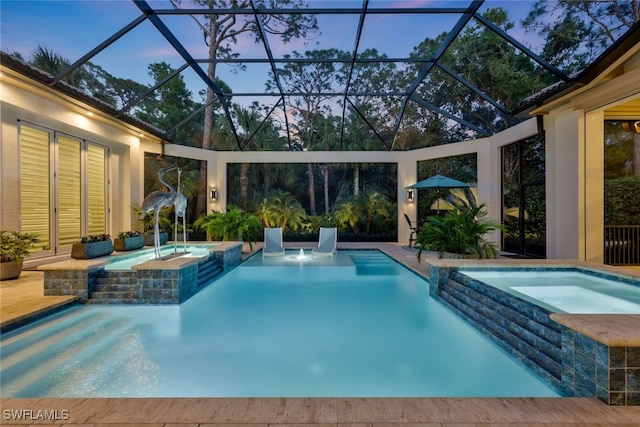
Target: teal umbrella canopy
{"x": 440, "y": 181}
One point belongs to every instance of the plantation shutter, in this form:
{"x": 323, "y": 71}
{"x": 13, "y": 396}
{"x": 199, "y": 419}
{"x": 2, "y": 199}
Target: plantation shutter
{"x": 69, "y": 187}
{"x": 35, "y": 203}
{"x": 96, "y": 190}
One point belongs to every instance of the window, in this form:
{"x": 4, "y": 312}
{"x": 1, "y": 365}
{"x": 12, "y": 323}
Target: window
{"x": 63, "y": 187}
{"x": 523, "y": 198}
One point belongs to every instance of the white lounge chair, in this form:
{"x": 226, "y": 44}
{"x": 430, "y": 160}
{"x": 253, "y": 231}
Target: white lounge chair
{"x": 273, "y": 242}
{"x": 326, "y": 242}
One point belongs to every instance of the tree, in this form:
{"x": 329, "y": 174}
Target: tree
{"x": 311, "y": 79}
{"x": 221, "y": 33}
{"x": 577, "y": 31}
{"x": 488, "y": 62}
{"x": 169, "y": 104}
{"x": 257, "y": 133}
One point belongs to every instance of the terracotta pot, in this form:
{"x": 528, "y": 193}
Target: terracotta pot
{"x": 91, "y": 250}
{"x": 10, "y": 270}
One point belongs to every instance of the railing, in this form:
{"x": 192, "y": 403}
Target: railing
{"x": 622, "y": 244}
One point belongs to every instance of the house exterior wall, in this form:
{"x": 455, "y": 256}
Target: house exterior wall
{"x": 574, "y": 129}
{"x": 36, "y": 105}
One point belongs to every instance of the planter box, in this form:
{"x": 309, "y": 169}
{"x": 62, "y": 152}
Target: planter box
{"x": 128, "y": 243}
{"x": 148, "y": 239}
{"x": 91, "y": 250}
{"x": 10, "y": 270}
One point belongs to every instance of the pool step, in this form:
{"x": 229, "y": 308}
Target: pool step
{"x": 208, "y": 270}
{"x": 520, "y": 328}
{"x": 373, "y": 264}
{"x": 42, "y": 336}
{"x": 115, "y": 288}
{"x": 70, "y": 362}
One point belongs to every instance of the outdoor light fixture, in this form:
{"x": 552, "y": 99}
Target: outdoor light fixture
{"x": 214, "y": 194}
{"x": 410, "y": 195}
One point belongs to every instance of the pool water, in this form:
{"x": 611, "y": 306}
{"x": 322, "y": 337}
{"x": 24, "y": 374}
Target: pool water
{"x": 126, "y": 262}
{"x": 362, "y": 326}
{"x": 565, "y": 291}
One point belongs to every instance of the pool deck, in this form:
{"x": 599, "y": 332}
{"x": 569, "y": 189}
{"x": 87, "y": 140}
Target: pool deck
{"x": 21, "y": 300}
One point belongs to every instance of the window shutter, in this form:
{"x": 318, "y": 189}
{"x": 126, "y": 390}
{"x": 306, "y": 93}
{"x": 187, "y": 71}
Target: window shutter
{"x": 69, "y": 187}
{"x": 96, "y": 189}
{"x": 34, "y": 182}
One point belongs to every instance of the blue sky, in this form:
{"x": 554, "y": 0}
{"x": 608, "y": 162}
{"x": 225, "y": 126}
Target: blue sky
{"x": 73, "y": 28}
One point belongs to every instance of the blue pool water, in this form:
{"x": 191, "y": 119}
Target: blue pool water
{"x": 359, "y": 326}
{"x": 126, "y": 262}
{"x": 569, "y": 291}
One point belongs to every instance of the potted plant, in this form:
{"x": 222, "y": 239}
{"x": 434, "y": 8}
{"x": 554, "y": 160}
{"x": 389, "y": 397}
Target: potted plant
{"x": 14, "y": 248}
{"x": 459, "y": 234}
{"x": 92, "y": 246}
{"x": 128, "y": 241}
{"x": 148, "y": 224}
{"x": 233, "y": 225}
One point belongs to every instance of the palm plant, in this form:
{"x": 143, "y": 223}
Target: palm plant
{"x": 371, "y": 205}
{"x": 347, "y": 213}
{"x": 287, "y": 211}
{"x": 233, "y": 225}
{"x": 460, "y": 231}
{"x": 148, "y": 220}
{"x": 264, "y": 211}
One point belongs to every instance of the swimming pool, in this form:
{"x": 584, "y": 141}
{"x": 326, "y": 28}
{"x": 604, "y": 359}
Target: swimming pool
{"x": 569, "y": 291}
{"x": 363, "y": 326}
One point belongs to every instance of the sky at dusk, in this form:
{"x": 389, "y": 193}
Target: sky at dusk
{"x": 73, "y": 28}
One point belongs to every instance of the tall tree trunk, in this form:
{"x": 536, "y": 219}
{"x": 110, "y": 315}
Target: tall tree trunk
{"x": 312, "y": 190}
{"x": 207, "y": 129}
{"x": 356, "y": 180}
{"x": 244, "y": 184}
{"x": 267, "y": 177}
{"x": 326, "y": 188}
{"x": 636, "y": 154}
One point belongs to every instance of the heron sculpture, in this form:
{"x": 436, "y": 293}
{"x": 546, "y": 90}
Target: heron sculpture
{"x": 155, "y": 201}
{"x": 180, "y": 205}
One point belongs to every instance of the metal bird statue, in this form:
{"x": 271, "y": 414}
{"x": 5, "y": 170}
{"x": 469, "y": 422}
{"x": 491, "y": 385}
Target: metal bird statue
{"x": 155, "y": 201}
{"x": 180, "y": 204}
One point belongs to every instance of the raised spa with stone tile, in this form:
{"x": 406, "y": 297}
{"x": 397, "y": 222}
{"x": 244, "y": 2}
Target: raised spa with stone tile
{"x": 138, "y": 278}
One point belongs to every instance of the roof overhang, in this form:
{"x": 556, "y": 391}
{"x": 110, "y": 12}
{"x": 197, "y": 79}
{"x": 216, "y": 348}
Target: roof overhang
{"x": 609, "y": 64}
{"x": 33, "y": 78}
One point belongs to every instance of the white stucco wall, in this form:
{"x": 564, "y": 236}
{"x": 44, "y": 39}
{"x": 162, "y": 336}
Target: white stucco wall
{"x": 35, "y": 105}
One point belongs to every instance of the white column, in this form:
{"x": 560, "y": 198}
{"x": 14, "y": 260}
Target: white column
{"x": 564, "y": 185}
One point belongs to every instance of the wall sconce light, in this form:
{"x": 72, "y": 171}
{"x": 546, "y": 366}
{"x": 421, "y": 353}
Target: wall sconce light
{"x": 410, "y": 195}
{"x": 214, "y": 194}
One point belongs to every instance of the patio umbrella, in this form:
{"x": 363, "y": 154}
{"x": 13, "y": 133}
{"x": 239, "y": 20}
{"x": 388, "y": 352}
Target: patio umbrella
{"x": 437, "y": 182}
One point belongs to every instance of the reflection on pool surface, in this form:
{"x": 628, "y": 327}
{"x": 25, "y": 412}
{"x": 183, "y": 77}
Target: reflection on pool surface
{"x": 337, "y": 330}
{"x": 566, "y": 291}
